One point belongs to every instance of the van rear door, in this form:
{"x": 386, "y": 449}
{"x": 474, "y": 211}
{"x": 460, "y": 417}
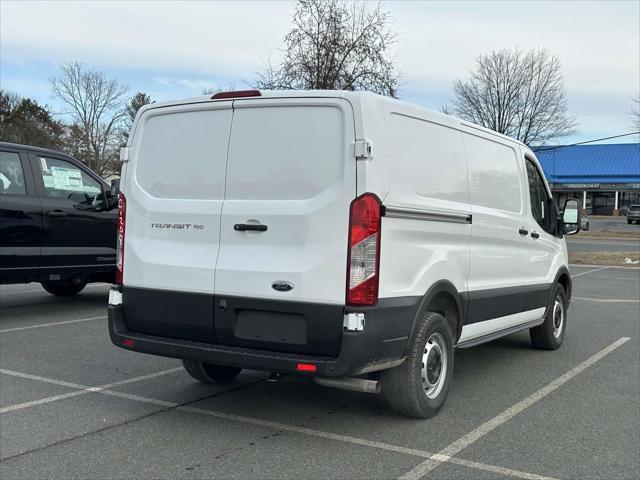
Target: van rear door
{"x": 174, "y": 188}
{"x": 283, "y": 243}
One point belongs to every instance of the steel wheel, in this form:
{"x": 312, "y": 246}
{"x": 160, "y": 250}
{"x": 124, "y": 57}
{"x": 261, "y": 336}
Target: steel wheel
{"x": 434, "y": 365}
{"x": 558, "y": 316}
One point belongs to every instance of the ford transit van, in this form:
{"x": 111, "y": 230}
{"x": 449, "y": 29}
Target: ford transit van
{"x": 345, "y": 236}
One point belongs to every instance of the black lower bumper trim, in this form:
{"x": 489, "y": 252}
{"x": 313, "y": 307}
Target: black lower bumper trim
{"x": 382, "y": 342}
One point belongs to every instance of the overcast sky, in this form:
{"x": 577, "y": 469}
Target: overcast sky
{"x": 174, "y": 50}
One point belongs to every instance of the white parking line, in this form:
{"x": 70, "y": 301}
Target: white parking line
{"x": 40, "y": 325}
{"x": 588, "y": 271}
{"x": 327, "y": 435}
{"x": 251, "y": 421}
{"x": 82, "y": 389}
{"x": 465, "y": 441}
{"x": 605, "y": 300}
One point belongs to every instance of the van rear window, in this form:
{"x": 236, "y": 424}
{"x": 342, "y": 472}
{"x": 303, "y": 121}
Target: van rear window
{"x": 284, "y": 153}
{"x": 183, "y": 155}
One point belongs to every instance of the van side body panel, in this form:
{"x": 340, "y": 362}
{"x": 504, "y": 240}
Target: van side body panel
{"x": 428, "y": 176}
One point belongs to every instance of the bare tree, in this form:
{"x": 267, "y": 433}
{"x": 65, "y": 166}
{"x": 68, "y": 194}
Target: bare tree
{"x": 335, "y": 44}
{"x": 519, "y": 94}
{"x": 95, "y": 105}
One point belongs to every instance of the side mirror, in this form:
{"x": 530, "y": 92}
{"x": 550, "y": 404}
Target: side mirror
{"x": 571, "y": 217}
{"x": 112, "y": 195}
{"x": 115, "y": 187}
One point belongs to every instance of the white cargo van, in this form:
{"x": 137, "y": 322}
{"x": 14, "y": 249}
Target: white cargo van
{"x": 345, "y": 236}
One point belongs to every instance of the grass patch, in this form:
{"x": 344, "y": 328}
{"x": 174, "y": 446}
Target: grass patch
{"x": 608, "y": 234}
{"x": 604, "y": 258}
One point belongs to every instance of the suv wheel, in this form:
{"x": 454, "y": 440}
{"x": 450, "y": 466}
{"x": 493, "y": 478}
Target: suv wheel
{"x": 64, "y": 289}
{"x": 209, "y": 373}
{"x": 419, "y": 386}
{"x": 550, "y": 334}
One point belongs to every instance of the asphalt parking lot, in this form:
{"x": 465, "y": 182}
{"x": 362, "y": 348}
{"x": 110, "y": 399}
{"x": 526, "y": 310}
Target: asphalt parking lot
{"x": 74, "y": 406}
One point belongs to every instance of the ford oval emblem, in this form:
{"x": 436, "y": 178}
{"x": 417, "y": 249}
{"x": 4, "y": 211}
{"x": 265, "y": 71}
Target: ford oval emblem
{"x": 282, "y": 286}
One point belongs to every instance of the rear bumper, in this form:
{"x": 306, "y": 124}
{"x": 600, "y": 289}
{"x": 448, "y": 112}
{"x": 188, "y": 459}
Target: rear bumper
{"x": 382, "y": 344}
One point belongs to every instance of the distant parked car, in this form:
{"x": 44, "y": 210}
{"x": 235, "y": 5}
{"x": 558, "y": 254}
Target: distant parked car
{"x": 585, "y": 223}
{"x": 57, "y": 221}
{"x": 633, "y": 214}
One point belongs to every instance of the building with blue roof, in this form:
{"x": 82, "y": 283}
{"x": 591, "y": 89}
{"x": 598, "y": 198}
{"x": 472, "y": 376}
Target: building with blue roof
{"x": 606, "y": 178}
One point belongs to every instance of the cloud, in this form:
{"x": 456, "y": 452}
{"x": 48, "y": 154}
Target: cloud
{"x": 205, "y": 37}
{"x": 183, "y": 47}
{"x": 191, "y": 83}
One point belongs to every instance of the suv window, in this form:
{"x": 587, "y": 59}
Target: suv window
{"x": 11, "y": 174}
{"x": 62, "y": 179}
{"x": 539, "y": 196}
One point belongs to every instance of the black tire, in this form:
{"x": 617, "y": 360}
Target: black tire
{"x": 63, "y": 289}
{"x": 550, "y": 334}
{"x": 403, "y": 386}
{"x": 209, "y": 373}
{"x": 629, "y": 222}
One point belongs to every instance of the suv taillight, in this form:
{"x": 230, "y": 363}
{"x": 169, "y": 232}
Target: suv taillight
{"x": 363, "y": 257}
{"x": 121, "y": 227}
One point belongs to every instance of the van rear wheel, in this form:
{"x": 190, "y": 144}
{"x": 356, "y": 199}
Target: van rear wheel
{"x": 63, "y": 289}
{"x": 419, "y": 386}
{"x": 210, "y": 373}
{"x": 550, "y": 334}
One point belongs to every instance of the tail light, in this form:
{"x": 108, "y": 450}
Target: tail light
{"x": 121, "y": 227}
{"x": 363, "y": 257}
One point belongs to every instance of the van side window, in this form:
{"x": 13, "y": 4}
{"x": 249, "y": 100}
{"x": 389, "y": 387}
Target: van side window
{"x": 63, "y": 179}
{"x": 11, "y": 174}
{"x": 495, "y": 176}
{"x": 419, "y": 148}
{"x": 539, "y": 196}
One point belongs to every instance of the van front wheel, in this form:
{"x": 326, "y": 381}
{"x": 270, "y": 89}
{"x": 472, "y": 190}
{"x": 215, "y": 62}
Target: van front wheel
{"x": 550, "y": 334}
{"x": 419, "y": 386}
{"x": 209, "y": 373}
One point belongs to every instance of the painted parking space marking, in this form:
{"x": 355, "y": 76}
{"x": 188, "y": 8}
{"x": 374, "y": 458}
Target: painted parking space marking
{"x": 52, "y": 324}
{"x": 81, "y": 389}
{"x": 490, "y": 425}
{"x": 605, "y": 300}
{"x": 587, "y": 272}
{"x": 104, "y": 390}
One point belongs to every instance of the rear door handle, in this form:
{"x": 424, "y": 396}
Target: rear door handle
{"x": 535, "y": 235}
{"x": 56, "y": 213}
{"x": 523, "y": 231}
{"x": 244, "y": 227}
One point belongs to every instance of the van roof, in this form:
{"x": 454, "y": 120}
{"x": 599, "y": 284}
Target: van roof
{"x": 354, "y": 97}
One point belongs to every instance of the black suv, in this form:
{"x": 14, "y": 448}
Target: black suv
{"x": 57, "y": 221}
